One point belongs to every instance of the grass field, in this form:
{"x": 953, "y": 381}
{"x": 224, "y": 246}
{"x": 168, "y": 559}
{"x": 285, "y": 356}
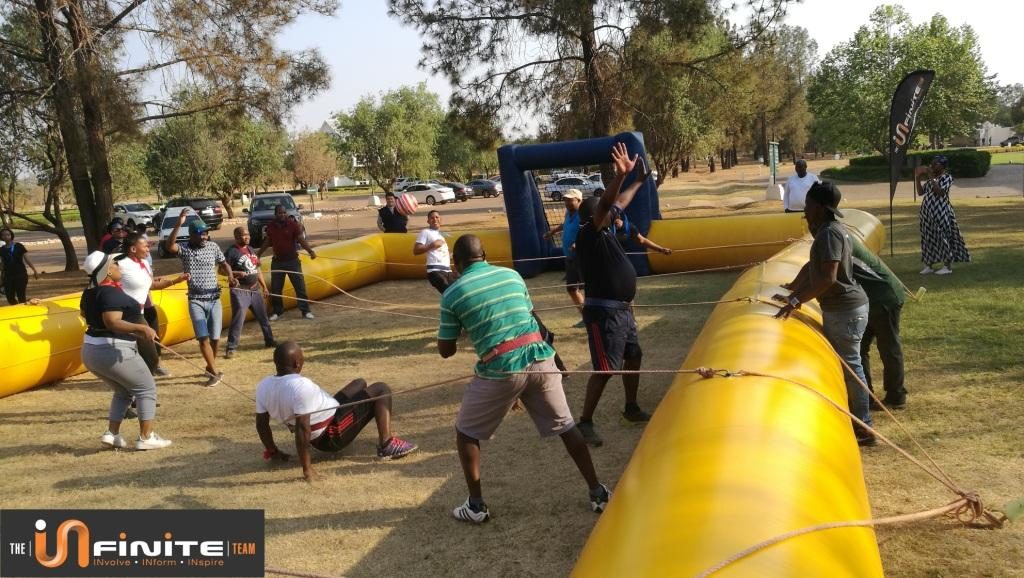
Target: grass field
{"x": 1015, "y": 158}
{"x": 366, "y": 518}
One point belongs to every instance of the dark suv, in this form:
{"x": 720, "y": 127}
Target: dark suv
{"x": 261, "y": 213}
{"x": 209, "y": 210}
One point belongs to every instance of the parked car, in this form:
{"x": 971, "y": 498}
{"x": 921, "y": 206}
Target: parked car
{"x": 484, "y": 188}
{"x": 431, "y": 194}
{"x": 209, "y": 210}
{"x": 462, "y": 192}
{"x": 585, "y": 185}
{"x": 261, "y": 213}
{"x": 401, "y": 183}
{"x": 1012, "y": 141}
{"x": 169, "y": 220}
{"x": 135, "y": 213}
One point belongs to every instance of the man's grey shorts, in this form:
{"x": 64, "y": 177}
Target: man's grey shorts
{"x": 486, "y": 401}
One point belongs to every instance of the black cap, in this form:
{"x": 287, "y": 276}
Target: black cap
{"x": 827, "y": 195}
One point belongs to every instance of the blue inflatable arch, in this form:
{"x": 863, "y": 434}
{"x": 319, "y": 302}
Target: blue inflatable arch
{"x": 525, "y": 209}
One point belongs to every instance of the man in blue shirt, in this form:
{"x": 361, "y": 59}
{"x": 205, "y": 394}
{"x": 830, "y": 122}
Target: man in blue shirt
{"x": 569, "y": 229}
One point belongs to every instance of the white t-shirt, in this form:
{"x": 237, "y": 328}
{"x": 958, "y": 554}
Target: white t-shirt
{"x": 437, "y": 259}
{"x": 796, "y": 191}
{"x": 286, "y": 396}
{"x": 136, "y": 279}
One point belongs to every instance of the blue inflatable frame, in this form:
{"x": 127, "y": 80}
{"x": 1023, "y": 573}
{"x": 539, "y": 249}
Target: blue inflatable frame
{"x": 525, "y": 209}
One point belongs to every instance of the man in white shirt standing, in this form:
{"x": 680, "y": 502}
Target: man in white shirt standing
{"x": 439, "y": 262}
{"x": 327, "y": 423}
{"x": 796, "y": 188}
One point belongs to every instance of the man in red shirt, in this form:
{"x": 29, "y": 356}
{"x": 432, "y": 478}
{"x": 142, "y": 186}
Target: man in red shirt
{"x": 283, "y": 234}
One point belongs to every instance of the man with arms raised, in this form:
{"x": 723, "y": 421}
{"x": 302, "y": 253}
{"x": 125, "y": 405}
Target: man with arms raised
{"x": 493, "y": 306}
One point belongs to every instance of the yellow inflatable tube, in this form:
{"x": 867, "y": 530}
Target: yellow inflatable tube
{"x": 727, "y": 463}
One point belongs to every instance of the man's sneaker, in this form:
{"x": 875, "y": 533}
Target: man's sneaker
{"x": 944, "y": 271}
{"x": 395, "y": 448}
{"x": 927, "y": 270}
{"x": 589, "y": 435}
{"x": 161, "y": 372}
{"x": 113, "y": 440}
{"x": 864, "y": 437}
{"x": 599, "y": 503}
{"x": 895, "y": 401}
{"x": 467, "y": 513}
{"x": 229, "y": 354}
{"x": 579, "y": 325}
{"x": 633, "y": 415}
{"x": 153, "y": 442}
{"x": 308, "y": 315}
{"x": 274, "y": 317}
{"x": 214, "y": 379}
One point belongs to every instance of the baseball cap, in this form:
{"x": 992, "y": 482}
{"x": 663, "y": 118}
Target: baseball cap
{"x": 197, "y": 227}
{"x": 573, "y": 194}
{"x": 827, "y": 195}
{"x": 96, "y": 265}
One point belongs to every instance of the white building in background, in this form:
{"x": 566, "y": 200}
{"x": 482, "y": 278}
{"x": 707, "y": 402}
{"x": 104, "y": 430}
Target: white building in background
{"x": 989, "y": 134}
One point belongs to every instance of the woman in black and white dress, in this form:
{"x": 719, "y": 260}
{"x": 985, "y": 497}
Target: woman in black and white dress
{"x": 941, "y": 241}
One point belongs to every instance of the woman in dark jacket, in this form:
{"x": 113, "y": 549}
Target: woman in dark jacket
{"x": 15, "y": 274}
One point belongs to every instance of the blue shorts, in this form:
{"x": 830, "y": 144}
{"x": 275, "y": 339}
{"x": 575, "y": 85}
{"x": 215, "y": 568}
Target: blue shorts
{"x": 207, "y": 318}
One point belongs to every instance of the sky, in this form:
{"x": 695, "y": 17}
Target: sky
{"x": 370, "y": 53}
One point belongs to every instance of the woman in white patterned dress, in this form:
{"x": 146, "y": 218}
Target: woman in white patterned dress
{"x": 941, "y": 241}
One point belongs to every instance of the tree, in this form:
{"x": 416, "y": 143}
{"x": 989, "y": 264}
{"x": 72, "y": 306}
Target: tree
{"x": 1009, "y": 99}
{"x": 128, "y": 170}
{"x": 506, "y": 56}
{"x": 226, "y": 46}
{"x": 254, "y": 154}
{"x": 313, "y": 160}
{"x": 460, "y": 155}
{"x": 393, "y": 138}
{"x": 184, "y": 158}
{"x": 851, "y": 93}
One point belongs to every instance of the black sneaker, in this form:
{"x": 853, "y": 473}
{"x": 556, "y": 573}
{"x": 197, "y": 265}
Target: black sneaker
{"x": 895, "y": 401}
{"x": 864, "y": 437}
{"x": 633, "y": 415}
{"x": 469, "y": 513}
{"x": 599, "y": 503}
{"x": 589, "y": 435}
{"x": 229, "y": 354}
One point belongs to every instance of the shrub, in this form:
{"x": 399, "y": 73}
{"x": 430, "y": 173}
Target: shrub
{"x": 963, "y": 164}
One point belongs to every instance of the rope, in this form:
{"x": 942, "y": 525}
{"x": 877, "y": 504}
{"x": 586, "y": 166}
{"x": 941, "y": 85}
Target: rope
{"x": 964, "y": 506}
{"x": 738, "y": 299}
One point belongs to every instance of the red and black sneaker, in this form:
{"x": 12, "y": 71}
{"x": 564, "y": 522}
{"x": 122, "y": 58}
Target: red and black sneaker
{"x": 395, "y": 448}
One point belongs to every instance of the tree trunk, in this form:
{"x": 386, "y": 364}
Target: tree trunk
{"x": 64, "y": 106}
{"x": 86, "y": 65}
{"x": 227, "y": 198}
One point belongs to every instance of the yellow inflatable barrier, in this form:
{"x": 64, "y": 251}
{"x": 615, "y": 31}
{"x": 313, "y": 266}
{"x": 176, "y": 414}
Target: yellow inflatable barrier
{"x": 727, "y": 463}
{"x": 724, "y": 464}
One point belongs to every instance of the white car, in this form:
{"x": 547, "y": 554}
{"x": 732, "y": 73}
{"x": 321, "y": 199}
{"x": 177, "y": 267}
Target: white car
{"x": 585, "y": 186}
{"x": 401, "y": 183}
{"x": 431, "y": 194}
{"x": 135, "y": 213}
{"x": 165, "y": 228}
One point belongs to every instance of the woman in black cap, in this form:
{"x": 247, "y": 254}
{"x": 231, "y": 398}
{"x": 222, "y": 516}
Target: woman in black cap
{"x": 110, "y": 351}
{"x": 941, "y": 241}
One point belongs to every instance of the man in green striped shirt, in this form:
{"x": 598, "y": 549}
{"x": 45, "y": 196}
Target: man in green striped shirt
{"x": 514, "y": 363}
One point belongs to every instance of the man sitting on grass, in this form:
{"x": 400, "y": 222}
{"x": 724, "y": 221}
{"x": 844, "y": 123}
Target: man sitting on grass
{"x": 327, "y": 423}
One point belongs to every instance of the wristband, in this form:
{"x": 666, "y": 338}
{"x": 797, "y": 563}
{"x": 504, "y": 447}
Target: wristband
{"x": 267, "y": 454}
{"x": 794, "y": 302}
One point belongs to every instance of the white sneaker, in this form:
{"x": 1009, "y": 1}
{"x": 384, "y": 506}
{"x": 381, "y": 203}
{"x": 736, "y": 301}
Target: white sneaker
{"x": 466, "y": 513}
{"x": 927, "y": 270}
{"x": 944, "y": 271}
{"x": 154, "y": 442}
{"x": 308, "y": 315}
{"x": 113, "y": 440}
{"x": 274, "y": 317}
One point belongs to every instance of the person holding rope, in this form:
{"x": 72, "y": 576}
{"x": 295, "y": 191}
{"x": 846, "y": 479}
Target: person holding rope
{"x": 285, "y": 235}
{"x": 110, "y": 351}
{"x": 250, "y": 293}
{"x": 136, "y": 281}
{"x": 201, "y": 259}
{"x": 610, "y": 284}
{"x": 432, "y": 242}
{"x": 569, "y": 228}
{"x": 327, "y": 423}
{"x": 515, "y": 364}
{"x": 828, "y": 277}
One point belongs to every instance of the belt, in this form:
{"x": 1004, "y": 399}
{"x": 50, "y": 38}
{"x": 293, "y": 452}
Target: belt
{"x": 511, "y": 345}
{"x": 438, "y": 269}
{"x": 94, "y": 340}
{"x": 606, "y": 303}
